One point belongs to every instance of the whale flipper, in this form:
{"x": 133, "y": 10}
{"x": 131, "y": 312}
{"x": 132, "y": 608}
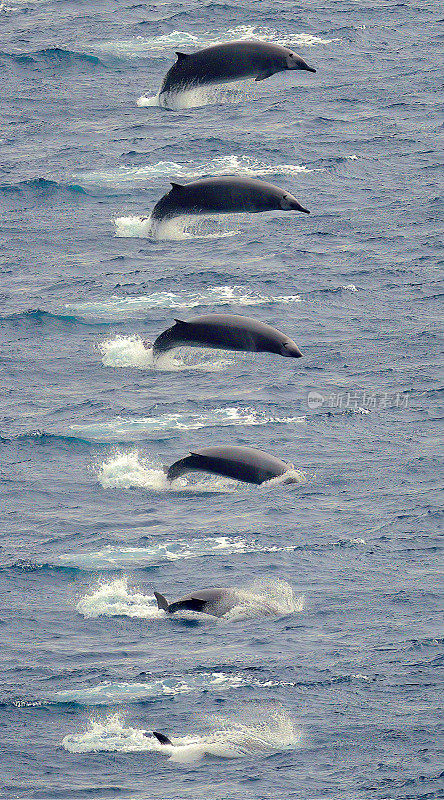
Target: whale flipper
{"x": 162, "y": 738}
{"x": 263, "y": 75}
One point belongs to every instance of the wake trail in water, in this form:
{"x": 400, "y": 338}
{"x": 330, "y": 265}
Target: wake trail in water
{"x": 116, "y": 308}
{"x": 136, "y": 429}
{"x": 119, "y": 557}
{"x": 232, "y": 164}
{"x": 118, "y": 693}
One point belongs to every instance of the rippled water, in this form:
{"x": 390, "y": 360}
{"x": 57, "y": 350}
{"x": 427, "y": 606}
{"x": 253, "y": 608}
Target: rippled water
{"x": 323, "y": 680}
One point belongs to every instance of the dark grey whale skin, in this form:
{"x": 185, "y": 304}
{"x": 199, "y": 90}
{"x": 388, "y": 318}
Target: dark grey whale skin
{"x": 230, "y": 61}
{"x": 226, "y": 332}
{"x": 241, "y": 463}
{"x": 207, "y": 601}
{"x": 224, "y": 195}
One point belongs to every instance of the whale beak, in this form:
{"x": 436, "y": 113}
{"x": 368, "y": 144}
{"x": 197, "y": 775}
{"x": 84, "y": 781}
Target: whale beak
{"x": 299, "y": 63}
{"x": 297, "y": 207}
{"x": 289, "y": 203}
{"x": 291, "y": 350}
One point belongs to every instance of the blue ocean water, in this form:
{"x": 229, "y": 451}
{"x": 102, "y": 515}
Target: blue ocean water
{"x": 325, "y": 684}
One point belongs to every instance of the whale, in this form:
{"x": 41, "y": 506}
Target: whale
{"x": 226, "y": 332}
{"x": 238, "y": 462}
{"x": 206, "y": 601}
{"x": 224, "y": 195}
{"x": 230, "y": 61}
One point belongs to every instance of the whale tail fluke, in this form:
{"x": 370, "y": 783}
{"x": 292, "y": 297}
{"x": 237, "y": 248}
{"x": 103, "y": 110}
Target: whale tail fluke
{"x": 161, "y": 737}
{"x": 162, "y": 603}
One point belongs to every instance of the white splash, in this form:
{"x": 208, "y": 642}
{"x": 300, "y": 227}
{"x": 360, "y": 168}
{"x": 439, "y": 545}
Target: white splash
{"x": 126, "y": 351}
{"x": 265, "y": 596}
{"x": 132, "y": 351}
{"x": 134, "y": 429}
{"x": 262, "y": 598}
{"x": 138, "y": 227}
{"x": 180, "y": 228}
{"x": 115, "y": 600}
{"x": 127, "y": 470}
{"x": 115, "y": 308}
{"x": 196, "y": 97}
{"x": 260, "y": 733}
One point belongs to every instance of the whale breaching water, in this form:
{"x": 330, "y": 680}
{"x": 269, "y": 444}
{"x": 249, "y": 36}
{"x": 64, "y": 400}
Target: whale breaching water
{"x": 228, "y": 62}
{"x": 240, "y": 463}
{"x": 206, "y": 601}
{"x": 226, "y": 332}
{"x": 224, "y": 195}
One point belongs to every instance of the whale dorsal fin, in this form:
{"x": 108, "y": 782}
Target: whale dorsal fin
{"x": 181, "y": 56}
{"x": 162, "y": 602}
{"x": 180, "y": 321}
{"x": 161, "y": 738}
{"x": 177, "y": 185}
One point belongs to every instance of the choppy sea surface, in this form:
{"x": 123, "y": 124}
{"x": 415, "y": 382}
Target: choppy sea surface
{"x": 323, "y": 682}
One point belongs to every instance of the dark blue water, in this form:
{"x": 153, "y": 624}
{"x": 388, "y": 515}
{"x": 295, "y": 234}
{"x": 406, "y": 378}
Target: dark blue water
{"x": 324, "y": 682}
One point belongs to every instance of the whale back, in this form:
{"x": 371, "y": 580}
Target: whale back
{"x": 240, "y": 463}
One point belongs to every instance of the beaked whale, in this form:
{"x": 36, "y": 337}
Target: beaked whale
{"x": 224, "y": 195}
{"x": 227, "y": 62}
{"x": 226, "y": 332}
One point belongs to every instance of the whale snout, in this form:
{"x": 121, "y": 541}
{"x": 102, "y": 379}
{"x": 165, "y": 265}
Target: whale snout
{"x": 289, "y": 203}
{"x": 290, "y": 350}
{"x": 296, "y": 62}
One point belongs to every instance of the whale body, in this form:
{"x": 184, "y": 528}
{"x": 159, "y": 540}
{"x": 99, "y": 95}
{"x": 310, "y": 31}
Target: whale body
{"x": 226, "y": 332}
{"x": 240, "y": 463}
{"x": 207, "y": 601}
{"x": 230, "y": 61}
{"x": 224, "y": 195}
